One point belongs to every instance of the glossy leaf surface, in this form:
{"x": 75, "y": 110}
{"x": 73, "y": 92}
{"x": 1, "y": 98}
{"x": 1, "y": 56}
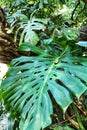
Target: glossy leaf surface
{"x": 29, "y": 81}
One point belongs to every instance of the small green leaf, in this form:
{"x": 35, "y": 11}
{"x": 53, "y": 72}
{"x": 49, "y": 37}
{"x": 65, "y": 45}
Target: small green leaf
{"x": 41, "y": 5}
{"x": 48, "y": 41}
{"x": 30, "y": 47}
{"x": 82, "y": 43}
{"x": 45, "y": 1}
{"x": 28, "y": 28}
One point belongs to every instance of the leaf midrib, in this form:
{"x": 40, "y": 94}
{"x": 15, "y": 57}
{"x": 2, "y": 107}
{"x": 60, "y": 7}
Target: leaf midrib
{"x": 45, "y": 81}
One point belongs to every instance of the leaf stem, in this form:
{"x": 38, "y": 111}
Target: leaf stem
{"x": 65, "y": 49}
{"x": 31, "y": 16}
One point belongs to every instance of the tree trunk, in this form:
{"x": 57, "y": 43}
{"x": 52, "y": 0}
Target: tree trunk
{"x": 83, "y": 34}
{"x": 8, "y": 49}
{"x": 85, "y": 1}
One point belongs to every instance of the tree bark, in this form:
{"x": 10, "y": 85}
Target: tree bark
{"x": 8, "y": 49}
{"x": 85, "y": 1}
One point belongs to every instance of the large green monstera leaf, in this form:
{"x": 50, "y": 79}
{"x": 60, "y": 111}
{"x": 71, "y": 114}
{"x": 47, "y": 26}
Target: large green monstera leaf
{"x": 30, "y": 80}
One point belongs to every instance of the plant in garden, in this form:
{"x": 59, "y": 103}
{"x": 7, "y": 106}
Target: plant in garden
{"x": 30, "y": 79}
{"x": 56, "y": 70}
{"x": 29, "y": 27}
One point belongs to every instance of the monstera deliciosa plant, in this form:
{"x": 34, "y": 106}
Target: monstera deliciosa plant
{"x": 56, "y": 68}
{"x": 31, "y": 81}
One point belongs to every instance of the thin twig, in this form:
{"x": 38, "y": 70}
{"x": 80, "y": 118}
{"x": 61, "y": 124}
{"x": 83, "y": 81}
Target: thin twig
{"x": 78, "y": 3}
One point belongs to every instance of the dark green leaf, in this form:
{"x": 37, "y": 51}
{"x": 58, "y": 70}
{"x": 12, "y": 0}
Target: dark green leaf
{"x": 29, "y": 81}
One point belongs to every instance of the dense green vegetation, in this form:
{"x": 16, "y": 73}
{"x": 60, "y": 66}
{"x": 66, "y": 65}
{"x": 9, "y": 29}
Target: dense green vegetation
{"x": 46, "y": 87}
